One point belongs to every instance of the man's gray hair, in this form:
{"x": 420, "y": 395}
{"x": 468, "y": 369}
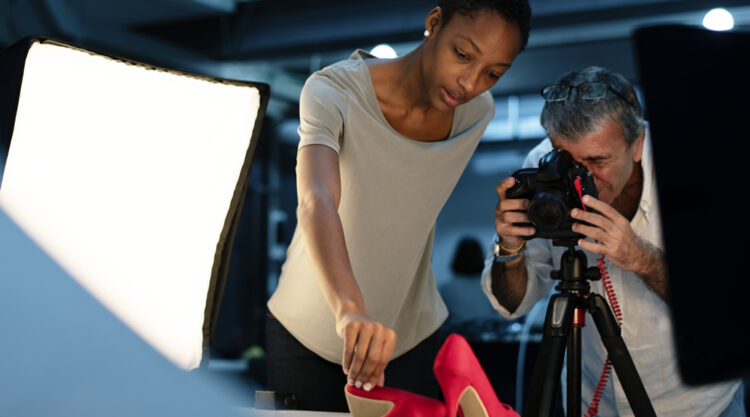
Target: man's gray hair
{"x": 574, "y": 117}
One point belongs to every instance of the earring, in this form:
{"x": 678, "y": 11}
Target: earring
{"x": 426, "y": 33}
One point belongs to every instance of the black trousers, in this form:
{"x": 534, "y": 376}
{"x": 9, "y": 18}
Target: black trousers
{"x": 319, "y": 384}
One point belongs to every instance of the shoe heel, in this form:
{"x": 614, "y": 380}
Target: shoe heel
{"x": 367, "y": 407}
{"x": 471, "y": 404}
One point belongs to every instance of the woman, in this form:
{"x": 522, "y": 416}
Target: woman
{"x": 382, "y": 144}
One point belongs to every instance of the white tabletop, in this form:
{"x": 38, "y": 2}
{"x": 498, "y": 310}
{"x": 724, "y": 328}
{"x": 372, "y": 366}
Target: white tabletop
{"x": 291, "y": 413}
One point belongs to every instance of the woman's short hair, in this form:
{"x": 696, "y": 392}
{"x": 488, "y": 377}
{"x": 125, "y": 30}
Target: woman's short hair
{"x": 514, "y": 11}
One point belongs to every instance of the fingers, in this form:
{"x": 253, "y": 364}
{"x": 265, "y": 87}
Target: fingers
{"x": 597, "y": 220}
{"x": 511, "y": 217}
{"x": 592, "y": 247}
{"x": 607, "y": 219}
{"x": 350, "y": 332}
{"x": 509, "y": 213}
{"x": 503, "y": 186}
{"x": 605, "y": 209}
{"x": 360, "y": 354}
{"x": 367, "y": 350}
{"x": 592, "y": 232}
{"x": 512, "y": 235}
{"x": 380, "y": 354}
{"x": 513, "y": 204}
{"x": 509, "y": 229}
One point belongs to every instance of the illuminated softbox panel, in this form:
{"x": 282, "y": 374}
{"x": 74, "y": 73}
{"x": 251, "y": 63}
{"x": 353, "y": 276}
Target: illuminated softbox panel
{"x": 63, "y": 354}
{"x": 131, "y": 177}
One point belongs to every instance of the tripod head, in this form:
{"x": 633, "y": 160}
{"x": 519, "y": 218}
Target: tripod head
{"x": 574, "y": 274}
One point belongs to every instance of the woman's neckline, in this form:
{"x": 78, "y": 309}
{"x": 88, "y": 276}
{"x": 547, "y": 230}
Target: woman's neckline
{"x": 373, "y": 98}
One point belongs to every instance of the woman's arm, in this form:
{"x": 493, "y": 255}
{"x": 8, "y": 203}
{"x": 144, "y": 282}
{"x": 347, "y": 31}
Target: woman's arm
{"x": 368, "y": 345}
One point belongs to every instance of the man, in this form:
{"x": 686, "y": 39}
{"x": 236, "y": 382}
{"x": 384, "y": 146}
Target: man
{"x": 595, "y": 115}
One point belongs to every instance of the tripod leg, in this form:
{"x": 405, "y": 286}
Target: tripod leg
{"x": 574, "y": 363}
{"x": 609, "y": 331}
{"x": 545, "y": 379}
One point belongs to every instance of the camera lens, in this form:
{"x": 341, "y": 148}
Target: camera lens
{"x": 547, "y": 211}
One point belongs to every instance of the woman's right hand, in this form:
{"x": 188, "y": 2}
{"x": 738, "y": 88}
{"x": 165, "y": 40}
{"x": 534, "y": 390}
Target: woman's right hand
{"x": 508, "y": 212}
{"x": 368, "y": 346}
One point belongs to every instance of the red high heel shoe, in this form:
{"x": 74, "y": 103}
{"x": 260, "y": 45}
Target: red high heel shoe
{"x": 391, "y": 402}
{"x": 464, "y": 382}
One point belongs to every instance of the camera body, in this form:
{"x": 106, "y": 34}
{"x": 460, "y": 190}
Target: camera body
{"x": 551, "y": 191}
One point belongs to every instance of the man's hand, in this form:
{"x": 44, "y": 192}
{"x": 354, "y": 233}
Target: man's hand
{"x": 617, "y": 241}
{"x": 614, "y": 237}
{"x": 510, "y": 211}
{"x": 368, "y": 346}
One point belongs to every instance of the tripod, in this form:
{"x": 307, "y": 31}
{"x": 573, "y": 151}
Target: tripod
{"x": 566, "y": 313}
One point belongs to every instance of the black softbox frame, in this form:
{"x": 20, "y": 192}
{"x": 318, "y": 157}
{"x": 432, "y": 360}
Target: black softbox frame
{"x": 696, "y": 91}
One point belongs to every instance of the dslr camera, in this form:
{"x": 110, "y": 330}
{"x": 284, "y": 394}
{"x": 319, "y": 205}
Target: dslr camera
{"x": 552, "y": 191}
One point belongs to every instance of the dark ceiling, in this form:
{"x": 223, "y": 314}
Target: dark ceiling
{"x": 277, "y": 29}
{"x": 281, "y": 41}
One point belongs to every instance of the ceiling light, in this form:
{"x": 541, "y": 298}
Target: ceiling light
{"x": 384, "y": 51}
{"x": 718, "y": 19}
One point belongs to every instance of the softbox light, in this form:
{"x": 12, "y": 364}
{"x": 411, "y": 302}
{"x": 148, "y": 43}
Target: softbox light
{"x": 697, "y": 109}
{"x": 132, "y": 178}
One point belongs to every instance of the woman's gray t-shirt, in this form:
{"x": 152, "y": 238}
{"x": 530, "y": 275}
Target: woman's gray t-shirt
{"x": 392, "y": 189}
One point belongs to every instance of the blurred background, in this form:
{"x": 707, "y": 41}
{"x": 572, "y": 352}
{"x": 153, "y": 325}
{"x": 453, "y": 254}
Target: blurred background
{"x": 281, "y": 42}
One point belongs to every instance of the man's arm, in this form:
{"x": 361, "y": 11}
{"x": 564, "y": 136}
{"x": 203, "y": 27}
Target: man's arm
{"x": 509, "y": 282}
{"x": 509, "y": 279}
{"x": 653, "y": 269}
